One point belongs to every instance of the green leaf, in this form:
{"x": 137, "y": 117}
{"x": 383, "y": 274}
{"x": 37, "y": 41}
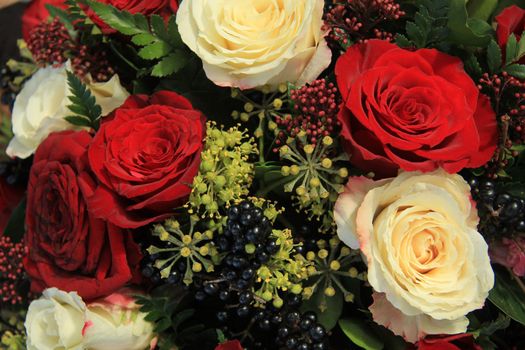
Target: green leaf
{"x": 169, "y": 65}
{"x": 521, "y": 47}
{"x": 481, "y": 9}
{"x": 15, "y": 228}
{"x": 508, "y": 297}
{"x": 64, "y": 17}
{"x": 78, "y": 121}
{"x": 494, "y": 57}
{"x": 84, "y": 104}
{"x": 511, "y": 49}
{"x": 143, "y": 39}
{"x": 122, "y": 21}
{"x": 402, "y": 41}
{"x": 516, "y": 70}
{"x": 473, "y": 67}
{"x": 173, "y": 32}
{"x": 159, "y": 27}
{"x": 154, "y": 51}
{"x": 328, "y": 309}
{"x": 360, "y": 334}
{"x": 464, "y": 30}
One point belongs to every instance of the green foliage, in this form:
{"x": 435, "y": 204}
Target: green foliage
{"x": 466, "y": 29}
{"x": 494, "y": 57}
{"x": 167, "y": 309}
{"x": 16, "y": 225}
{"x": 429, "y": 27}
{"x": 332, "y": 307}
{"x": 158, "y": 41}
{"x": 481, "y": 9}
{"x": 84, "y": 105}
{"x": 508, "y": 297}
{"x": 360, "y": 333}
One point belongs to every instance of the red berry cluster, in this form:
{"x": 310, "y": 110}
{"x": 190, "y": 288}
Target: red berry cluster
{"x": 11, "y": 270}
{"x": 508, "y": 97}
{"x": 50, "y": 43}
{"x": 316, "y": 105}
{"x": 351, "y": 21}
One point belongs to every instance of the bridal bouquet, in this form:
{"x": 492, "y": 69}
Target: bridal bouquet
{"x": 264, "y": 174}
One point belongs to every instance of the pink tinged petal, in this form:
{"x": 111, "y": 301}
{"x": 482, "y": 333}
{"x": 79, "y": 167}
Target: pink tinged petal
{"x": 347, "y": 205}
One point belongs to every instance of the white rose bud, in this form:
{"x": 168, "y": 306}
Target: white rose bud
{"x": 250, "y": 43}
{"x": 55, "y": 321}
{"x": 427, "y": 263}
{"x": 41, "y": 106}
{"x": 115, "y": 323}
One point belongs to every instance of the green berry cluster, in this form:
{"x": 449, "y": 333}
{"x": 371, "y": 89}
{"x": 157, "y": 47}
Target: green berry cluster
{"x": 12, "y": 333}
{"x": 330, "y": 265}
{"x": 194, "y": 248}
{"x": 284, "y": 272}
{"x": 316, "y": 178}
{"x": 225, "y": 174}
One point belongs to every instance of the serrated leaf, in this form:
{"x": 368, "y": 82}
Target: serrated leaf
{"x": 415, "y": 34}
{"x": 169, "y": 65}
{"x": 121, "y": 21}
{"x": 521, "y": 47}
{"x": 141, "y": 21}
{"x": 173, "y": 32}
{"x": 143, "y": 39}
{"x": 84, "y": 104}
{"x": 511, "y": 49}
{"x": 64, "y": 17}
{"x": 516, "y": 70}
{"x": 402, "y": 41}
{"x": 159, "y": 27}
{"x": 473, "y": 67}
{"x": 154, "y": 51}
{"x": 494, "y": 57}
{"x": 360, "y": 334}
{"x": 78, "y": 121}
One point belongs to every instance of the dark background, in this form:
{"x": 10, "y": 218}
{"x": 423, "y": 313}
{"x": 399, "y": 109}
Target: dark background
{"x": 10, "y": 31}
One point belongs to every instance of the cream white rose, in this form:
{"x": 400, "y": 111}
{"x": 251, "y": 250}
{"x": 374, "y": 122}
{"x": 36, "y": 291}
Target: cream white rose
{"x": 55, "y": 321}
{"x": 41, "y": 106}
{"x": 115, "y": 323}
{"x": 426, "y": 261}
{"x": 251, "y": 43}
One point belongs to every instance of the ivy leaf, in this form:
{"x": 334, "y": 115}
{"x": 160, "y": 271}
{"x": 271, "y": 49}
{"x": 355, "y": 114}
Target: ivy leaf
{"x": 360, "y": 334}
{"x": 516, "y": 70}
{"x": 508, "y": 297}
{"x": 494, "y": 57}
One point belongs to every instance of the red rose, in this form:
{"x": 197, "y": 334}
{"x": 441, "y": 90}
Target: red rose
{"x": 453, "y": 342}
{"x": 230, "y": 345}
{"x": 10, "y": 197}
{"x": 510, "y": 21}
{"x": 68, "y": 247}
{"x": 145, "y": 156}
{"x": 165, "y": 8}
{"x": 36, "y": 13}
{"x": 414, "y": 110}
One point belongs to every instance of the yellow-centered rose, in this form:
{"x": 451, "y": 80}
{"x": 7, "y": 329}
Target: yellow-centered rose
{"x": 251, "y": 43}
{"x": 426, "y": 261}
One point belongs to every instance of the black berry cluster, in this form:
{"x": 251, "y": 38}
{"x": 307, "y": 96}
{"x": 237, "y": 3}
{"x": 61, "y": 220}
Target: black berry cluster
{"x": 501, "y": 213}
